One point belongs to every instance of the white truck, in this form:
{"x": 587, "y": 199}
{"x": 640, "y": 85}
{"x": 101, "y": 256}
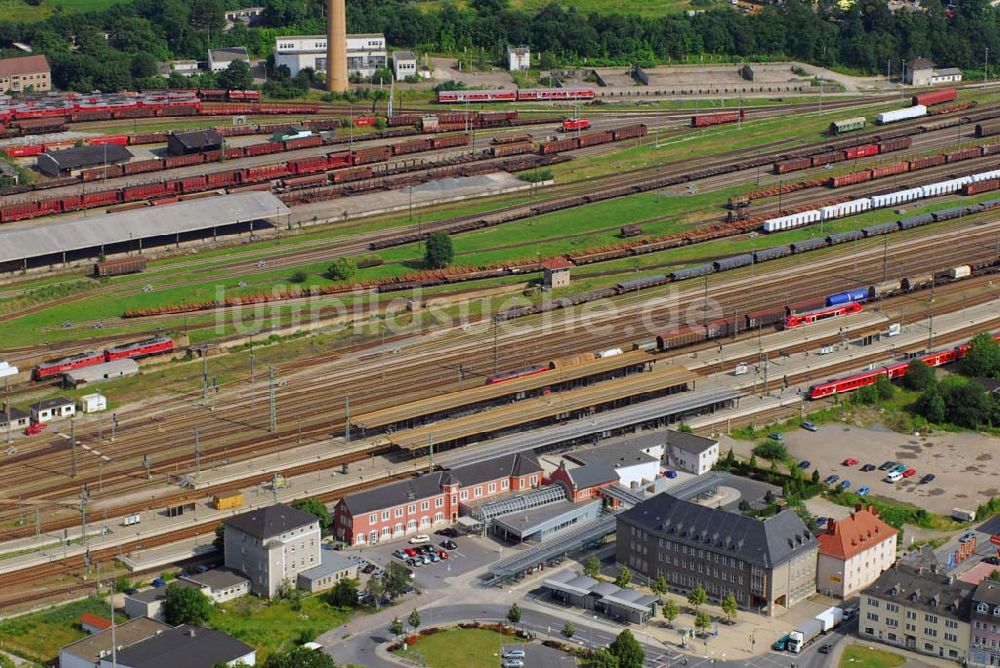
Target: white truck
{"x": 809, "y": 630}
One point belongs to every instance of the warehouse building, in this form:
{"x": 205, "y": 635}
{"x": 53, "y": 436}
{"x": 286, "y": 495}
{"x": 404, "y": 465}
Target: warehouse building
{"x": 332, "y": 569}
{"x": 51, "y": 409}
{"x": 68, "y": 161}
{"x": 27, "y": 72}
{"x": 97, "y": 373}
{"x": 365, "y": 53}
{"x": 923, "y": 72}
{"x": 767, "y": 565}
{"x": 416, "y": 505}
{"x": 195, "y": 141}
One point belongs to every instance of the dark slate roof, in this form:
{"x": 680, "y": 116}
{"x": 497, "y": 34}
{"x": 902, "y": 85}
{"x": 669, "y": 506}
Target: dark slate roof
{"x": 767, "y": 543}
{"x": 271, "y": 521}
{"x": 15, "y": 412}
{"x": 394, "y": 494}
{"x": 198, "y": 139}
{"x": 620, "y": 453}
{"x": 52, "y": 403}
{"x": 592, "y": 475}
{"x": 689, "y": 442}
{"x": 216, "y": 579}
{"x": 188, "y": 646}
{"x": 86, "y": 156}
{"x": 924, "y": 589}
{"x": 987, "y": 592}
{"x": 508, "y": 466}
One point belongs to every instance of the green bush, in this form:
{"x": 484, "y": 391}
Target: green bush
{"x": 771, "y": 450}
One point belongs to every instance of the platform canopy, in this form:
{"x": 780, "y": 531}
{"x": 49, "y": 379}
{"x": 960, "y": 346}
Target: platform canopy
{"x": 43, "y": 239}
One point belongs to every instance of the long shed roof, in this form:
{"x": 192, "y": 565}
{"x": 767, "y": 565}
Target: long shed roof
{"x": 110, "y": 228}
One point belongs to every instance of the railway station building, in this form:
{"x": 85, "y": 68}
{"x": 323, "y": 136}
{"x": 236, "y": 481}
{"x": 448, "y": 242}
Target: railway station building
{"x": 417, "y": 505}
{"x": 768, "y": 565}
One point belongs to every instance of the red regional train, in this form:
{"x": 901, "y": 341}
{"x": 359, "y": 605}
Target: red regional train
{"x": 519, "y": 95}
{"x": 799, "y": 319}
{"x": 137, "y": 350}
{"x": 890, "y": 371}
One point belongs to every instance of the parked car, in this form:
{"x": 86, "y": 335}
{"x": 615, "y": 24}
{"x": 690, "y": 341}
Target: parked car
{"x": 927, "y": 478}
{"x": 844, "y": 484}
{"x": 781, "y": 644}
{"x": 868, "y": 467}
{"x": 410, "y": 552}
{"x": 992, "y": 561}
{"x": 513, "y": 653}
{"x": 910, "y": 472}
{"x": 808, "y": 426}
{"x": 820, "y": 521}
{"x": 824, "y": 649}
{"x": 447, "y": 532}
{"x": 670, "y": 473}
{"x": 443, "y": 554}
{"x": 369, "y": 568}
{"x": 899, "y": 467}
{"x": 830, "y": 479}
{"x": 449, "y": 545}
{"x": 804, "y": 464}
{"x": 427, "y": 558}
{"x": 399, "y": 554}
{"x": 893, "y": 476}
{"x": 34, "y": 428}
{"x": 775, "y": 436}
{"x": 863, "y": 491}
{"x": 887, "y": 465}
{"x": 850, "y": 461}
{"x": 420, "y": 539}
{"x": 131, "y": 591}
{"x": 512, "y": 663}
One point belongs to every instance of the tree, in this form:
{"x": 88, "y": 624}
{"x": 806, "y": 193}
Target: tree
{"x": 702, "y": 622}
{"x": 730, "y": 607}
{"x": 299, "y": 657}
{"x": 603, "y": 658}
{"x": 983, "y": 357}
{"x": 624, "y": 579}
{"x": 375, "y": 590}
{"x": 930, "y": 405}
{"x": 396, "y": 580}
{"x": 966, "y": 404}
{"x": 628, "y": 651}
{"x": 219, "y": 542}
{"x": 660, "y": 586}
{"x": 317, "y": 508}
{"x": 514, "y": 614}
{"x": 670, "y": 610}
{"x": 298, "y": 276}
{"x": 884, "y": 388}
{"x": 919, "y": 377}
{"x": 414, "y": 619}
{"x": 568, "y": 630}
{"x": 396, "y": 627}
{"x": 439, "y": 252}
{"x": 236, "y": 76}
{"x": 185, "y": 605}
{"x": 342, "y": 269}
{"x": 698, "y": 597}
{"x": 730, "y": 458}
{"x": 344, "y": 594}
{"x": 771, "y": 450}
{"x": 592, "y": 566}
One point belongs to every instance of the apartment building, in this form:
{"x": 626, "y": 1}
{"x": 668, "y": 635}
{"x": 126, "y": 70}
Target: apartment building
{"x": 853, "y": 552}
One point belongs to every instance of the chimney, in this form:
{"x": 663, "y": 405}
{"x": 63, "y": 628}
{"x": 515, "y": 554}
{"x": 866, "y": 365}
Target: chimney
{"x": 336, "y": 46}
{"x": 858, "y": 507}
{"x": 830, "y": 526}
{"x": 190, "y": 632}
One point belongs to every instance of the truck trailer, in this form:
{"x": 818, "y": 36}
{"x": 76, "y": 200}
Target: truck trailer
{"x": 809, "y": 630}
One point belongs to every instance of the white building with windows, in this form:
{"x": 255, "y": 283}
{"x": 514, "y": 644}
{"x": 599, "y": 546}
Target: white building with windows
{"x": 365, "y": 53}
{"x": 690, "y": 452}
{"x": 271, "y": 546}
{"x": 854, "y": 552}
{"x": 518, "y": 59}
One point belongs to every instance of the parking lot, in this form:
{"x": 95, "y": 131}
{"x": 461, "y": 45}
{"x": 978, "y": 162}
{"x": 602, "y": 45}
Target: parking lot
{"x": 961, "y": 462}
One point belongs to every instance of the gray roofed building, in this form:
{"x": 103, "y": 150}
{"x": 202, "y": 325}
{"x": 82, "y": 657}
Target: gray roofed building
{"x": 89, "y": 650}
{"x": 538, "y": 524}
{"x": 98, "y": 372}
{"x": 171, "y": 220}
{"x": 193, "y": 141}
{"x": 270, "y": 521}
{"x": 941, "y": 603}
{"x": 690, "y": 452}
{"x": 17, "y": 418}
{"x": 219, "y": 59}
{"x": 583, "y": 482}
{"x": 149, "y": 602}
{"x": 661, "y": 535}
{"x": 48, "y": 409}
{"x": 611, "y": 600}
{"x": 333, "y": 567}
{"x": 55, "y": 163}
{"x": 220, "y": 584}
{"x": 513, "y": 465}
{"x": 187, "y": 646}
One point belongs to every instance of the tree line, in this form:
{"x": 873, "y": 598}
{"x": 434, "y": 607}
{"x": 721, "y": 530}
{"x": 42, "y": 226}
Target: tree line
{"x": 866, "y": 37}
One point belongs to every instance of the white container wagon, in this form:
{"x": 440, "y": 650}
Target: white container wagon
{"x": 792, "y": 221}
{"x": 898, "y": 197}
{"x": 846, "y": 208}
{"x": 896, "y": 115}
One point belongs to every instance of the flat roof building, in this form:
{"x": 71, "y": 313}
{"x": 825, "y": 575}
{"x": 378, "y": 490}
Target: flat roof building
{"x": 194, "y": 141}
{"x": 365, "y": 53}
{"x": 219, "y": 59}
{"x": 24, "y": 73}
{"x": 404, "y": 64}
{"x": 333, "y": 568}
{"x": 97, "y": 373}
{"x": 220, "y": 584}
{"x": 50, "y": 409}
{"x": 585, "y": 592}
{"x": 766, "y": 564}
{"x": 66, "y": 161}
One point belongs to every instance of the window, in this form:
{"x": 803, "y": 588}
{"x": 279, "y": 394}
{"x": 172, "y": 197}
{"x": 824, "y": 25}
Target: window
{"x": 492, "y": 488}
{"x": 872, "y": 616}
{"x": 412, "y": 508}
{"x": 464, "y": 494}
{"x": 930, "y": 618}
{"x": 478, "y": 491}
{"x": 386, "y": 531}
{"x": 505, "y": 484}
{"x": 425, "y": 505}
{"x": 873, "y": 602}
{"x": 534, "y": 480}
{"x": 929, "y": 632}
{"x": 385, "y": 514}
{"x": 951, "y": 623}
{"x": 399, "y": 512}
{"x": 951, "y": 637}
{"x": 439, "y": 502}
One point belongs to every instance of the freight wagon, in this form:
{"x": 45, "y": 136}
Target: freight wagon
{"x": 934, "y": 97}
{"x": 897, "y": 115}
{"x": 120, "y": 266}
{"x": 847, "y": 125}
{"x": 227, "y": 501}
{"x": 705, "y": 120}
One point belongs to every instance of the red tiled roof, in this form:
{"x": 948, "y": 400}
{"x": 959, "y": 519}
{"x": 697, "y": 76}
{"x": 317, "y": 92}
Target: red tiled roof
{"x": 98, "y": 622}
{"x": 23, "y": 65}
{"x": 557, "y": 263}
{"x": 848, "y": 537}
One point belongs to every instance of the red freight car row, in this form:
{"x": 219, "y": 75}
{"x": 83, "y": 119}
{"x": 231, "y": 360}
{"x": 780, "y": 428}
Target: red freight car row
{"x": 849, "y": 153}
{"x": 913, "y": 165}
{"x": 705, "y": 120}
{"x": 592, "y": 139}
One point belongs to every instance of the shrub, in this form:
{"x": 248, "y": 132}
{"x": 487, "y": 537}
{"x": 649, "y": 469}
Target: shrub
{"x": 771, "y": 450}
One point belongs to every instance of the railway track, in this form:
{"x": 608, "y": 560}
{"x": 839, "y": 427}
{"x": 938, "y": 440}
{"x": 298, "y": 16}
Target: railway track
{"x": 368, "y": 393}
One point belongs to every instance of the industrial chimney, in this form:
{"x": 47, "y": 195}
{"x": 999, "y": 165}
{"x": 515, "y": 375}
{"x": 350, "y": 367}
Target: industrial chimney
{"x": 336, "y": 46}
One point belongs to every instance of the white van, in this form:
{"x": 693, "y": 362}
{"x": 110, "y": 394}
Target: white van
{"x": 894, "y": 476}
{"x": 420, "y": 539}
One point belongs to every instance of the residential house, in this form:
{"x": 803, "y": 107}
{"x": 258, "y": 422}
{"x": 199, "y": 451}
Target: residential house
{"x": 854, "y": 552}
{"x": 690, "y": 452}
{"x": 984, "y": 648}
{"x": 219, "y": 584}
{"x": 24, "y": 73}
